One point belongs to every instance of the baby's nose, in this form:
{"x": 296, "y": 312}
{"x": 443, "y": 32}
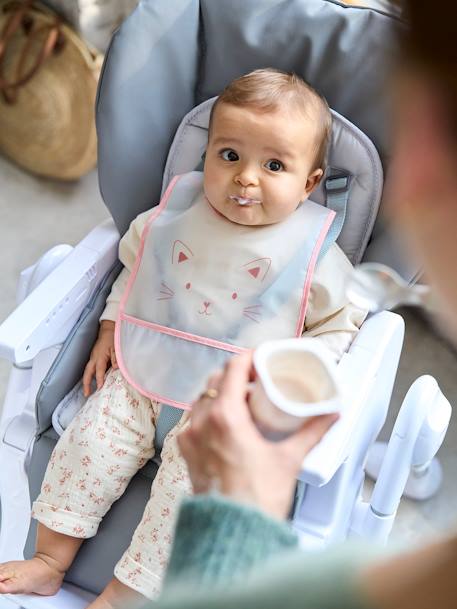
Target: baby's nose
{"x": 246, "y": 177}
{"x": 206, "y": 303}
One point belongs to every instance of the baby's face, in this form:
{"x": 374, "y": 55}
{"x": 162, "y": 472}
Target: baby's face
{"x": 258, "y": 166}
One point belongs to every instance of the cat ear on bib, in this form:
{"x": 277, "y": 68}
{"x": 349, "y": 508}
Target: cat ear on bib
{"x": 258, "y": 268}
{"x": 180, "y": 253}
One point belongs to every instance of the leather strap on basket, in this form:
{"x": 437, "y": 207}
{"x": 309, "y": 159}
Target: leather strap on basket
{"x": 53, "y": 43}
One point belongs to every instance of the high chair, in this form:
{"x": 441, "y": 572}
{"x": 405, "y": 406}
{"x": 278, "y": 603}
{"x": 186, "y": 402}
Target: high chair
{"x": 166, "y": 62}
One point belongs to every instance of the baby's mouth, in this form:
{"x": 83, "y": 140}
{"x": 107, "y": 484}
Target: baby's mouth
{"x": 244, "y": 201}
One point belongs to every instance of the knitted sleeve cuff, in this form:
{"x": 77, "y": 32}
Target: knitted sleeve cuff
{"x": 218, "y": 540}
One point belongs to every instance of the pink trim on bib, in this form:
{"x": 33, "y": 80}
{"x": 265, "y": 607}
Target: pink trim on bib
{"x": 310, "y": 273}
{"x": 202, "y": 340}
{"x": 157, "y": 210}
{"x": 172, "y": 332}
{"x": 117, "y": 329}
{"x": 149, "y": 394}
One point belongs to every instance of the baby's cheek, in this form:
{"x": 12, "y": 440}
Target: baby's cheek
{"x": 209, "y": 181}
{"x": 283, "y": 208}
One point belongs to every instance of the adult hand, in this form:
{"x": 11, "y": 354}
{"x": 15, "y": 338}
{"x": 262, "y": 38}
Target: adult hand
{"x": 223, "y": 447}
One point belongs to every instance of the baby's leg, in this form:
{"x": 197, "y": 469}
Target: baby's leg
{"x": 105, "y": 445}
{"x": 143, "y": 565}
{"x": 117, "y": 595}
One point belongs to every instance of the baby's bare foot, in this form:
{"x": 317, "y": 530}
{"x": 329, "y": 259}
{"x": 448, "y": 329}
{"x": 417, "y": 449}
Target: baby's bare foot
{"x": 27, "y": 576}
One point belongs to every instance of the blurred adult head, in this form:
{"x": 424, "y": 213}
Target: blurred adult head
{"x": 423, "y": 182}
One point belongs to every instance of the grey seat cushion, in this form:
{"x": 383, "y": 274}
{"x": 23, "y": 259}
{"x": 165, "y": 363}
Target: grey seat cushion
{"x": 68, "y": 367}
{"x": 342, "y": 51}
{"x": 170, "y": 56}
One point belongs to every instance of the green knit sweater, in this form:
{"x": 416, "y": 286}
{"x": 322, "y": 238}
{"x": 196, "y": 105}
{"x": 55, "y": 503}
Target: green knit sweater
{"x": 230, "y": 556}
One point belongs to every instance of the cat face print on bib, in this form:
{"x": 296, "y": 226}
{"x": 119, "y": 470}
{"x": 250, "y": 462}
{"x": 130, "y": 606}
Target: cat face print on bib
{"x": 211, "y": 294}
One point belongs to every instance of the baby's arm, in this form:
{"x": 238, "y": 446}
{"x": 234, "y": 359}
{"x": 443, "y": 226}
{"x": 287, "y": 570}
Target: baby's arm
{"x": 330, "y": 317}
{"x": 103, "y": 354}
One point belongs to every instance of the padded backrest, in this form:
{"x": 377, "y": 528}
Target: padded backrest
{"x": 147, "y": 85}
{"x": 170, "y": 56}
{"x": 350, "y": 150}
{"x": 342, "y": 51}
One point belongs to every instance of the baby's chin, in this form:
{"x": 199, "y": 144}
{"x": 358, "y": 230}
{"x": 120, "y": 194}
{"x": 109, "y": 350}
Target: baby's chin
{"x": 242, "y": 215}
{"x": 245, "y": 219}
{"x": 249, "y": 217}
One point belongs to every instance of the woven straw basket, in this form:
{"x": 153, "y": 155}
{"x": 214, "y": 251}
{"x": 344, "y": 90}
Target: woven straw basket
{"x": 48, "y": 82}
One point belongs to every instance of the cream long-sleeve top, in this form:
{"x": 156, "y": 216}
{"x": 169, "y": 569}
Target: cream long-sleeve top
{"x": 330, "y": 317}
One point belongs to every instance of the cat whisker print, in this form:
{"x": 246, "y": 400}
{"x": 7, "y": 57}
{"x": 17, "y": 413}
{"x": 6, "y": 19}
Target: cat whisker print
{"x": 251, "y": 318}
{"x": 166, "y": 293}
{"x": 253, "y": 312}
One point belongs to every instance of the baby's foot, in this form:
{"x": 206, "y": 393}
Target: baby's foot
{"x": 27, "y": 576}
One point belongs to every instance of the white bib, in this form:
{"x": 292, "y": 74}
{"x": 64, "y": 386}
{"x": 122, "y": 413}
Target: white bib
{"x": 203, "y": 288}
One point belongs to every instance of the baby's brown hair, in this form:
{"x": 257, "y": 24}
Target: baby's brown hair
{"x": 269, "y": 89}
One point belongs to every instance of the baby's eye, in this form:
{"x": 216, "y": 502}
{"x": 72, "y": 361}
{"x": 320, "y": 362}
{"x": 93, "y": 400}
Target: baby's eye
{"x": 188, "y": 285}
{"x": 229, "y": 155}
{"x": 274, "y": 165}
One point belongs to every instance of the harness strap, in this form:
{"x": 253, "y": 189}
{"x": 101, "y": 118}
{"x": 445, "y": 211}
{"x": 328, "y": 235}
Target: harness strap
{"x": 336, "y": 187}
{"x": 168, "y": 418}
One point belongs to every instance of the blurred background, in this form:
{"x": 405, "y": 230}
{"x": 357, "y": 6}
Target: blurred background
{"x": 40, "y": 211}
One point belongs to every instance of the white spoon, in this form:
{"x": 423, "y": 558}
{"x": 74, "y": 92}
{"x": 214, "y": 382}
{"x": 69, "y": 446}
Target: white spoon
{"x": 377, "y": 287}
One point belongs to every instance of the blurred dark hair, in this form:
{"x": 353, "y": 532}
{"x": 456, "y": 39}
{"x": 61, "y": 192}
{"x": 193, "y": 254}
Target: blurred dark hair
{"x": 430, "y": 45}
{"x": 432, "y": 36}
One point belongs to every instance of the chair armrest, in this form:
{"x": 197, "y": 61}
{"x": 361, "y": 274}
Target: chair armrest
{"x": 47, "y": 314}
{"x": 367, "y": 373}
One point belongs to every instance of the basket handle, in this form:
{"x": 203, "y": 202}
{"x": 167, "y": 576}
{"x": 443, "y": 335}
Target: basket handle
{"x": 53, "y": 43}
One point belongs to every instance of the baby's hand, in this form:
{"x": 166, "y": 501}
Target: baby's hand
{"x": 101, "y": 357}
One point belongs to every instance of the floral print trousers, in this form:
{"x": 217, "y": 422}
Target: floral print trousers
{"x": 109, "y": 440}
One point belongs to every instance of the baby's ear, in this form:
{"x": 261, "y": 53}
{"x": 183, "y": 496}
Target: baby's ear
{"x": 312, "y": 182}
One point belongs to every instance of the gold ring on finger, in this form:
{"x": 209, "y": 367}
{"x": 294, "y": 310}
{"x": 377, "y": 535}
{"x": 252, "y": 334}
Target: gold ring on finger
{"x": 210, "y": 393}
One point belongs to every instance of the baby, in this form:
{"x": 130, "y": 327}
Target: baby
{"x": 226, "y": 261}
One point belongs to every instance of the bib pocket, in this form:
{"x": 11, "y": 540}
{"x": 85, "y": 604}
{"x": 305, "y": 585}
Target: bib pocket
{"x": 179, "y": 371}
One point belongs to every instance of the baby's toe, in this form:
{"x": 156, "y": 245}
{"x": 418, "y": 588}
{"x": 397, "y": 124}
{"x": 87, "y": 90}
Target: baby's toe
{"x": 6, "y": 571}
{"x": 10, "y": 586}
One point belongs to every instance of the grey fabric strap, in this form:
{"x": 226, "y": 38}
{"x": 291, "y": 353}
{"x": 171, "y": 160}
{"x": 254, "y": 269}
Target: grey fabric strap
{"x": 168, "y": 417}
{"x": 336, "y": 188}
